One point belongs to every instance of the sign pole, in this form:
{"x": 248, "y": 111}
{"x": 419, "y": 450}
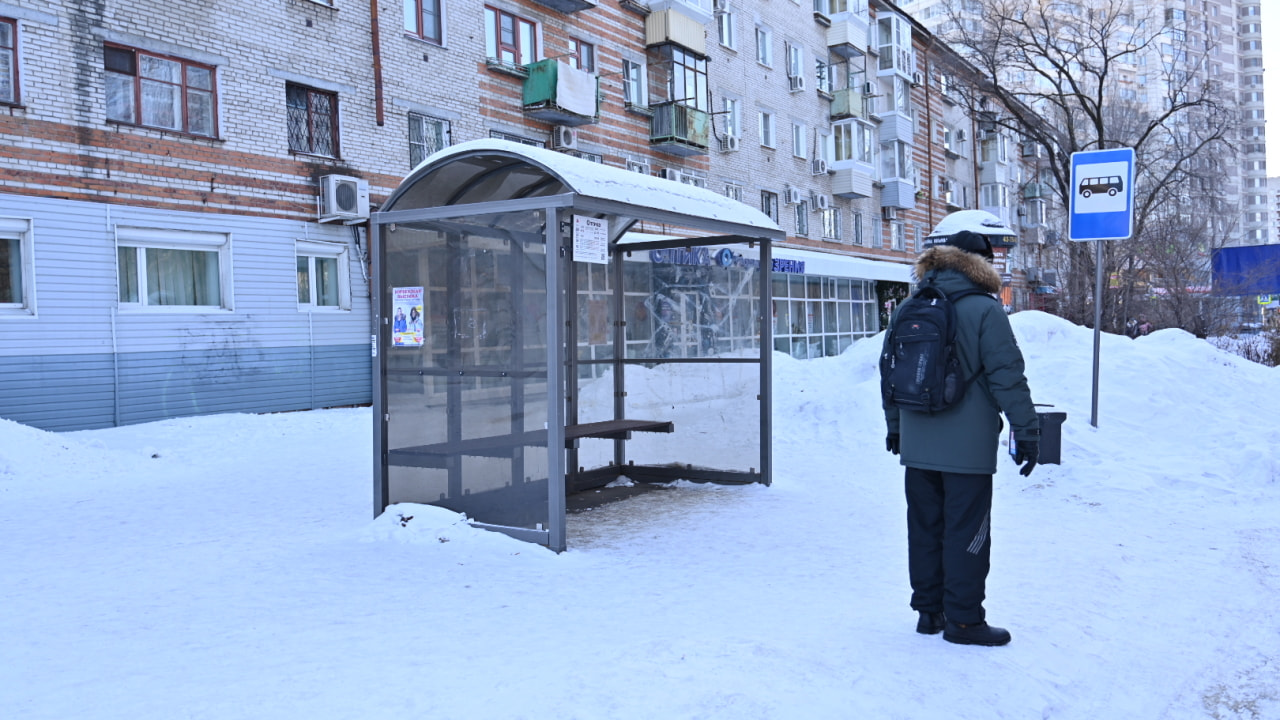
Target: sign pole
{"x": 1097, "y": 329}
{"x": 1101, "y": 202}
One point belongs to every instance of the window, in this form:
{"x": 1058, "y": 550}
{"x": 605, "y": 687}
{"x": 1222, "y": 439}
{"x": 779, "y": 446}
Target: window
{"x": 799, "y": 141}
{"x": 635, "y": 82}
{"x": 764, "y": 46}
{"x": 795, "y": 60}
{"x": 831, "y": 224}
{"x": 895, "y": 161}
{"x": 8, "y": 61}
{"x": 858, "y": 238}
{"x": 824, "y": 75}
{"x": 313, "y": 120}
{"x": 994, "y": 195}
{"x": 582, "y": 55}
{"x": 769, "y": 204}
{"x": 894, "y": 41}
{"x": 732, "y": 118}
{"x": 173, "y": 268}
{"x": 688, "y": 78}
{"x": 17, "y": 292}
{"x": 499, "y": 135}
{"x": 802, "y": 218}
{"x": 733, "y": 191}
{"x": 159, "y": 91}
{"x": 322, "y": 277}
{"x": 766, "y": 129}
{"x": 899, "y": 232}
{"x": 509, "y": 38}
{"x": 422, "y": 18}
{"x": 426, "y": 135}
{"x": 725, "y": 30}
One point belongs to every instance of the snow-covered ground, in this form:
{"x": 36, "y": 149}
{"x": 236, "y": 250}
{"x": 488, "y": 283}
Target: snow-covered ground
{"x": 227, "y": 567}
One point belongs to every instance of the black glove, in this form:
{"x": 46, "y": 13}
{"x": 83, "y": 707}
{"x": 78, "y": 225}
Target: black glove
{"x": 1026, "y": 452}
{"x": 891, "y": 443}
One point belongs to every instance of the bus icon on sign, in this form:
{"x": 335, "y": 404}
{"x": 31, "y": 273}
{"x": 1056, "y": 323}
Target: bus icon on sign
{"x": 1111, "y": 185}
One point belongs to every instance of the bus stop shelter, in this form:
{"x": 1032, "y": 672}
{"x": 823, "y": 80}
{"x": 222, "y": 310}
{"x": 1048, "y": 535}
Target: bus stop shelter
{"x": 546, "y": 325}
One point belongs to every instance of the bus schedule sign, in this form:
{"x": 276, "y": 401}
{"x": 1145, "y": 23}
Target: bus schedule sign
{"x": 1102, "y": 195}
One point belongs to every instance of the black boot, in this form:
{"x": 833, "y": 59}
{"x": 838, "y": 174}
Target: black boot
{"x": 976, "y": 634}
{"x": 931, "y": 623}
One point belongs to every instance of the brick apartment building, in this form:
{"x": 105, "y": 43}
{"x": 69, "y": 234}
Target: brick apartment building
{"x": 185, "y": 186}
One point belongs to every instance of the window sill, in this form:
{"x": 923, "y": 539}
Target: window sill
{"x": 639, "y": 109}
{"x": 328, "y": 158}
{"x": 136, "y": 309}
{"x": 118, "y": 125}
{"x": 322, "y": 309}
{"x": 17, "y": 313}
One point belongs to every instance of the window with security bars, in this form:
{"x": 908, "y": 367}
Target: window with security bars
{"x": 426, "y": 135}
{"x": 159, "y": 91}
{"x": 313, "y": 120}
{"x": 8, "y": 61}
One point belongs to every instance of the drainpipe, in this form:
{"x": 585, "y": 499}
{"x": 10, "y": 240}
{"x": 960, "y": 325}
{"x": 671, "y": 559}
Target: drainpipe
{"x": 376, "y": 32}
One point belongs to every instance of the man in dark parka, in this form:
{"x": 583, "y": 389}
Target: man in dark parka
{"x": 950, "y": 456}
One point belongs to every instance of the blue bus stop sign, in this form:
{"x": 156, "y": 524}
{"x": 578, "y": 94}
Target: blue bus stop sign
{"x": 1102, "y": 195}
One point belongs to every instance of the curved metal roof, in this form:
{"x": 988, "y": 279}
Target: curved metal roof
{"x": 496, "y": 170}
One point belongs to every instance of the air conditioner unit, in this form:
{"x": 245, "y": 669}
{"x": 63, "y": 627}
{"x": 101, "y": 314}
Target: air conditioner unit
{"x": 888, "y": 212}
{"x": 564, "y": 138}
{"x": 721, "y": 6}
{"x": 1033, "y": 275}
{"x": 794, "y": 197}
{"x": 822, "y": 202}
{"x": 797, "y": 83}
{"x": 917, "y": 79}
{"x": 869, "y": 88}
{"x": 729, "y": 143}
{"x": 818, "y": 167}
{"x": 343, "y": 197}
{"x": 671, "y": 174}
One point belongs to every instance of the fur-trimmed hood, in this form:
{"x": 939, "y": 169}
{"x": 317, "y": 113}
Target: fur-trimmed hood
{"x": 946, "y": 257}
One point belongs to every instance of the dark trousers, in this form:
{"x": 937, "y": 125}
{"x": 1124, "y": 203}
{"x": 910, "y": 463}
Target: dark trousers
{"x": 949, "y": 542}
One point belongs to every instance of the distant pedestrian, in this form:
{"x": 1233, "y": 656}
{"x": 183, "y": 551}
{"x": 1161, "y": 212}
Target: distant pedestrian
{"x": 950, "y": 456}
{"x": 1144, "y": 327}
{"x": 1131, "y": 328}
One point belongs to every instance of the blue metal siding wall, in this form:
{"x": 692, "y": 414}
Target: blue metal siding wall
{"x": 58, "y": 392}
{"x": 82, "y": 362}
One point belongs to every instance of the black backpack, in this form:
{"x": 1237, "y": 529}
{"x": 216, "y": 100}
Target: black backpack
{"x": 920, "y": 368}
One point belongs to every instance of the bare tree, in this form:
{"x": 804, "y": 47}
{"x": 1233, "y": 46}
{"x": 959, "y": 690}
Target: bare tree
{"x": 1077, "y": 75}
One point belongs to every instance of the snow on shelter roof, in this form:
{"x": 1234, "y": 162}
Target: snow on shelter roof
{"x": 494, "y": 170}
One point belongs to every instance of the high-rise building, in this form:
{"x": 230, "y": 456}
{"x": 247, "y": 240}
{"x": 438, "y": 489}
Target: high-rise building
{"x": 1202, "y": 43}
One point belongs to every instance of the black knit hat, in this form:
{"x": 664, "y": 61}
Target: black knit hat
{"x": 970, "y": 241}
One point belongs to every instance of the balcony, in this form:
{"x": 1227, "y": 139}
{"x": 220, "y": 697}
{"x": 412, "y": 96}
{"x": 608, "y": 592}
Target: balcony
{"x": 568, "y": 6}
{"x": 559, "y": 94}
{"x": 899, "y": 193}
{"x": 847, "y": 36}
{"x": 897, "y": 126}
{"x": 847, "y": 103}
{"x": 852, "y": 182}
{"x": 672, "y": 26}
{"x": 678, "y": 129}
{"x": 1033, "y": 191}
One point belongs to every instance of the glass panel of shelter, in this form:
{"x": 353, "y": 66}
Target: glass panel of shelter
{"x": 467, "y": 398}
